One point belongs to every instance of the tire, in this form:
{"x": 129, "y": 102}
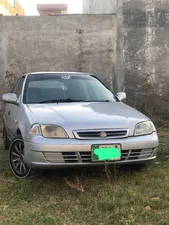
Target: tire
{"x": 16, "y": 159}
{"x": 5, "y": 139}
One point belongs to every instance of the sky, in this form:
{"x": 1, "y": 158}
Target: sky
{"x": 75, "y": 6}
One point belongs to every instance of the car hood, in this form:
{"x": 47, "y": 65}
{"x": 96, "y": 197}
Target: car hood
{"x": 72, "y": 116}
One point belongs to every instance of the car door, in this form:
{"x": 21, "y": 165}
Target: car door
{"x": 13, "y": 110}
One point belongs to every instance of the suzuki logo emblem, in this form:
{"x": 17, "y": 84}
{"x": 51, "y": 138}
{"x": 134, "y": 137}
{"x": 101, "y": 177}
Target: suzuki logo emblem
{"x": 103, "y": 134}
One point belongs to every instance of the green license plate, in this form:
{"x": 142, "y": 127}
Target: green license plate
{"x": 106, "y": 152}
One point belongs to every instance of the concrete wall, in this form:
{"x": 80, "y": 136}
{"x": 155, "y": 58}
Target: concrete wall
{"x": 99, "y": 6}
{"x": 142, "y": 50}
{"x": 61, "y": 43}
{"x": 146, "y": 45}
{"x": 94, "y": 43}
{"x": 115, "y": 8}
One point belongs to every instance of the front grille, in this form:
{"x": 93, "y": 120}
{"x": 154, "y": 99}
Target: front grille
{"x": 136, "y": 154}
{"x": 85, "y": 157}
{"x": 101, "y": 134}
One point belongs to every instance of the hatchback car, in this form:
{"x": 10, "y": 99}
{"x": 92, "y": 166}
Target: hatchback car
{"x": 72, "y": 119}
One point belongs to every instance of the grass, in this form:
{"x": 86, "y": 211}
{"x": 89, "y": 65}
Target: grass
{"x": 88, "y": 196}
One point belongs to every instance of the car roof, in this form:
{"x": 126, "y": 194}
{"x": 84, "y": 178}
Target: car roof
{"x": 57, "y": 73}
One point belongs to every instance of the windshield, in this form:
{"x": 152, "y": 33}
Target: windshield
{"x": 48, "y": 88}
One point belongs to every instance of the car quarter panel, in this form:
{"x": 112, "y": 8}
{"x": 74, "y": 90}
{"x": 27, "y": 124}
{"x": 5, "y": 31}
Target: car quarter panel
{"x": 22, "y": 119}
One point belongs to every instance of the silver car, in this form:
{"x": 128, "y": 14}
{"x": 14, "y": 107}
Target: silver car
{"x": 72, "y": 119}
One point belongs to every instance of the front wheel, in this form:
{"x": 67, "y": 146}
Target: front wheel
{"x": 16, "y": 159}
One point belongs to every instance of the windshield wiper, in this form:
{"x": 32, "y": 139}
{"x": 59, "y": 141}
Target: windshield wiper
{"x": 70, "y": 100}
{"x": 62, "y": 100}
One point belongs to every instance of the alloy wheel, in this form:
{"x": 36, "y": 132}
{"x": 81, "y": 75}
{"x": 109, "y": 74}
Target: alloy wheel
{"x": 16, "y": 159}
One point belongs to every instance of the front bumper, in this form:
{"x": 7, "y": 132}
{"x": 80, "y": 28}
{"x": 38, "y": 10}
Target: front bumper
{"x": 49, "y": 153}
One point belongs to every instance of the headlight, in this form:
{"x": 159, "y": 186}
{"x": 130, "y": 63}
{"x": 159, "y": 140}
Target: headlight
{"x": 51, "y": 131}
{"x": 144, "y": 128}
{"x": 48, "y": 131}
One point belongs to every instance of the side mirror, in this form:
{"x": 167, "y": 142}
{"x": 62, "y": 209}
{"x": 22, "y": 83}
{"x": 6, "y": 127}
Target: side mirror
{"x": 121, "y": 96}
{"x": 10, "y": 98}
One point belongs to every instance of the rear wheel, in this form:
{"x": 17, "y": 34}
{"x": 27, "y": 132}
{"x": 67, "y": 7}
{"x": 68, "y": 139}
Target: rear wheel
{"x": 16, "y": 159}
{"x": 5, "y": 139}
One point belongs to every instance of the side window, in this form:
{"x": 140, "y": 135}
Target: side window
{"x": 19, "y": 87}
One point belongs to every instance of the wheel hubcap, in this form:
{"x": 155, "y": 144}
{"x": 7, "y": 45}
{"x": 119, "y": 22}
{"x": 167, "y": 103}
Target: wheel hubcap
{"x": 17, "y": 159}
